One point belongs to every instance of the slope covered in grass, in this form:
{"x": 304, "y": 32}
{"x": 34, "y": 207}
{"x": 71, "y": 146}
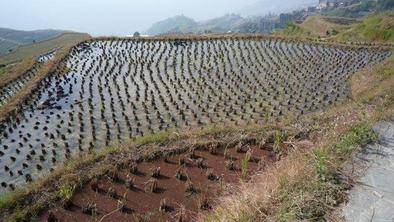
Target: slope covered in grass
{"x": 377, "y": 28}
{"x": 172, "y": 25}
{"x": 318, "y": 26}
{"x": 326, "y": 26}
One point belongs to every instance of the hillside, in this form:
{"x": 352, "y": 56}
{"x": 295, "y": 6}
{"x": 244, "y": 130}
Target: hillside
{"x": 222, "y": 24}
{"x": 37, "y": 49}
{"x": 230, "y": 23}
{"x": 318, "y": 26}
{"x": 175, "y": 24}
{"x": 264, "y": 7}
{"x": 326, "y": 26}
{"x": 316, "y": 21}
{"x": 10, "y": 39}
{"x": 185, "y": 25}
{"x": 359, "y": 8}
{"x": 378, "y": 27}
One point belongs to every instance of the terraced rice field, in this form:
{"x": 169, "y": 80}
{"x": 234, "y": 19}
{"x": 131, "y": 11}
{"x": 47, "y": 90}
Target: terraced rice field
{"x": 14, "y": 86}
{"x": 115, "y": 90}
{"x": 175, "y": 188}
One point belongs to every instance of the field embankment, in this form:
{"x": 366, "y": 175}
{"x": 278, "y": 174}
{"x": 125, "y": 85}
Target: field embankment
{"x": 13, "y": 71}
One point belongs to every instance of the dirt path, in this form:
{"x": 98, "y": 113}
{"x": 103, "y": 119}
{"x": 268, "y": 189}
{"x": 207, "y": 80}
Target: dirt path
{"x": 372, "y": 198}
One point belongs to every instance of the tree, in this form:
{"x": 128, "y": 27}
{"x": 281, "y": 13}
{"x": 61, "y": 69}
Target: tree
{"x": 136, "y": 34}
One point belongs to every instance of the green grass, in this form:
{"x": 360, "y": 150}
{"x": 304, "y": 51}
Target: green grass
{"x": 377, "y": 27}
{"x": 245, "y": 165}
{"x": 156, "y": 137}
{"x": 359, "y": 135}
{"x": 279, "y": 138}
{"x": 66, "y": 191}
{"x": 319, "y": 190}
{"x": 2, "y": 70}
{"x": 292, "y": 30}
{"x": 7, "y": 198}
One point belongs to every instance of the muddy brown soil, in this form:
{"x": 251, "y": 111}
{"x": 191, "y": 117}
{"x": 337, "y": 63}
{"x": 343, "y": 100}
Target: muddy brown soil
{"x": 207, "y": 174}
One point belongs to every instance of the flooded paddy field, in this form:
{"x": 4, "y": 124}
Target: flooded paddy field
{"x": 115, "y": 90}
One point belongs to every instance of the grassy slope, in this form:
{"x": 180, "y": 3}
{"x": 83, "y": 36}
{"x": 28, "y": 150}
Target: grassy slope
{"x": 174, "y": 24}
{"x": 13, "y": 71}
{"x": 315, "y": 26}
{"x": 321, "y": 26}
{"x": 34, "y": 50}
{"x": 377, "y": 28}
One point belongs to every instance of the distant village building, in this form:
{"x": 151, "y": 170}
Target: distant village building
{"x": 335, "y": 3}
{"x": 326, "y": 3}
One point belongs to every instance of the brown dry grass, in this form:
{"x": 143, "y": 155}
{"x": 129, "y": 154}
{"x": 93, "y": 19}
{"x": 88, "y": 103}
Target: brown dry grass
{"x": 319, "y": 25}
{"x": 15, "y": 71}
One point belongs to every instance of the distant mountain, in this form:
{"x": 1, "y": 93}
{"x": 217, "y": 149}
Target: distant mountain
{"x": 175, "y": 24}
{"x": 224, "y": 24}
{"x": 257, "y": 18}
{"x": 265, "y": 7}
{"x": 221, "y": 24}
{"x": 10, "y": 39}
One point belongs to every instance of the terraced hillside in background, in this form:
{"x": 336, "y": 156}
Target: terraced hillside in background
{"x": 11, "y": 85}
{"x": 39, "y": 48}
{"x": 115, "y": 90}
{"x": 11, "y": 39}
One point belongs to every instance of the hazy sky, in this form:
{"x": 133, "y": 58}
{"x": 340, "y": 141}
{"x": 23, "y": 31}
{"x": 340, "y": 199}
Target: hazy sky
{"x": 107, "y": 17}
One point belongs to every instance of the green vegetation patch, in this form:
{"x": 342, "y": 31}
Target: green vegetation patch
{"x": 377, "y": 27}
{"x": 320, "y": 189}
{"x": 293, "y": 30}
